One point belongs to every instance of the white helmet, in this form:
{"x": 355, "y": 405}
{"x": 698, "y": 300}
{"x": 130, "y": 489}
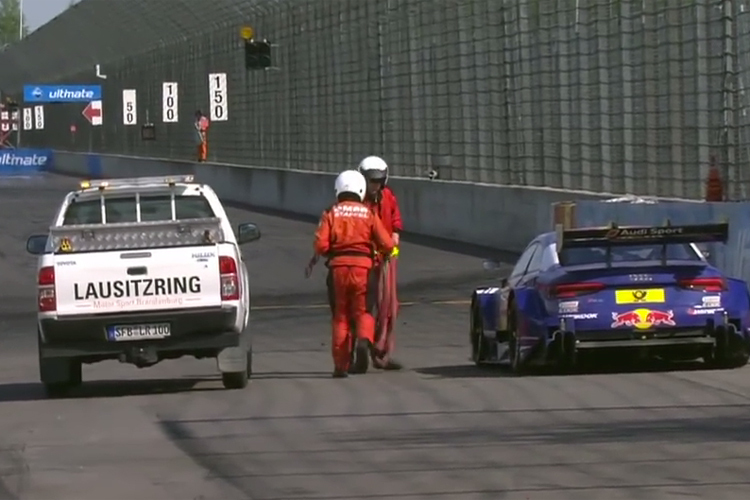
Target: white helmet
{"x": 374, "y": 168}
{"x": 351, "y": 181}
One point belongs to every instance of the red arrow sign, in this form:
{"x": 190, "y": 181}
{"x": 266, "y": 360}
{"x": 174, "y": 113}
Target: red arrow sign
{"x": 93, "y": 113}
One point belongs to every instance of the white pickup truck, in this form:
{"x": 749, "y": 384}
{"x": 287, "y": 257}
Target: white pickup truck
{"x": 142, "y": 270}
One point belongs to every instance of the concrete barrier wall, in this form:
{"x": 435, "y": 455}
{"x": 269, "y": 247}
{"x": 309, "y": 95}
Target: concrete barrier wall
{"x": 503, "y": 217}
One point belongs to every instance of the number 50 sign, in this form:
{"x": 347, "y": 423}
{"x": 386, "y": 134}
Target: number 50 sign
{"x": 217, "y": 90}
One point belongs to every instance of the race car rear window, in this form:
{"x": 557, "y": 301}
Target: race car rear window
{"x": 598, "y": 255}
{"x": 123, "y": 209}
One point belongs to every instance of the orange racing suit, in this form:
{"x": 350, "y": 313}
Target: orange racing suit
{"x": 347, "y": 233}
{"x": 385, "y": 204}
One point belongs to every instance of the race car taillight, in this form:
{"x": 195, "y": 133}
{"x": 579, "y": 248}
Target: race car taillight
{"x": 46, "y": 282}
{"x": 704, "y": 284}
{"x": 568, "y": 290}
{"x": 230, "y": 289}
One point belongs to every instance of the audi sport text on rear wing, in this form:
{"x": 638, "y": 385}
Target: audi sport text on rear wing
{"x": 134, "y": 235}
{"x": 640, "y": 235}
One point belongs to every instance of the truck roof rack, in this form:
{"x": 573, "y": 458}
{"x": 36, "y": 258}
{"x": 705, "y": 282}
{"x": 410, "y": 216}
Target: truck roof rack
{"x": 103, "y": 184}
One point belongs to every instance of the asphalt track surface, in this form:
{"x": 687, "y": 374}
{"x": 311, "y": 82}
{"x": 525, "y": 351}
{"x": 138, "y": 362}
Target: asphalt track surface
{"x": 438, "y": 429}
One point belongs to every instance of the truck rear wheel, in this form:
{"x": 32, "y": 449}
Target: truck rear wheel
{"x": 238, "y": 380}
{"x": 234, "y": 380}
{"x": 58, "y": 375}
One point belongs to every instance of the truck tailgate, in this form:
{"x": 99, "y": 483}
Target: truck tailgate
{"x": 137, "y": 280}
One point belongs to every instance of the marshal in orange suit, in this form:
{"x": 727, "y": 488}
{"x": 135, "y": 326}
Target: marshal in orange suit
{"x": 349, "y": 233}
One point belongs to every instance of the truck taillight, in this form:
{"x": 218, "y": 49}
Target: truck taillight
{"x": 46, "y": 282}
{"x": 230, "y": 289}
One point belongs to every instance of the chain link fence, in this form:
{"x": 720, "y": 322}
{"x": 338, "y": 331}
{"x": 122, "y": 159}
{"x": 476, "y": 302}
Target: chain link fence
{"x": 619, "y": 96}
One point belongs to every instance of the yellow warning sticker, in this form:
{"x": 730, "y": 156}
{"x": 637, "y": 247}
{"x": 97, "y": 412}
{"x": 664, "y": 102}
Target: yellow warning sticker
{"x": 65, "y": 245}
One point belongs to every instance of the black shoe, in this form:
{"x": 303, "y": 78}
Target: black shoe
{"x": 340, "y": 373}
{"x": 361, "y": 361}
{"x": 384, "y": 363}
{"x": 392, "y": 364}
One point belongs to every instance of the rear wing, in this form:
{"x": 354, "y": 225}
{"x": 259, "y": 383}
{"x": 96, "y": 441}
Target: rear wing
{"x": 640, "y": 235}
{"x": 134, "y": 235}
{"x": 614, "y": 236}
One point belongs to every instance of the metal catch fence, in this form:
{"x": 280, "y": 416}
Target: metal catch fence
{"x": 621, "y": 96}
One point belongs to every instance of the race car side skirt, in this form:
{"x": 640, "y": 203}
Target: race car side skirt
{"x": 645, "y": 343}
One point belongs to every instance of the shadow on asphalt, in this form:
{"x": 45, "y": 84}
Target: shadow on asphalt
{"x": 28, "y": 391}
{"x": 493, "y": 371}
{"x": 290, "y": 375}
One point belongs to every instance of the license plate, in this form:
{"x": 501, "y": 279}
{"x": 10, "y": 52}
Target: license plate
{"x": 640, "y": 296}
{"x": 120, "y": 333}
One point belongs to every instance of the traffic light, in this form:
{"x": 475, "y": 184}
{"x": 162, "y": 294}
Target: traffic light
{"x": 264, "y": 54}
{"x": 11, "y": 104}
{"x": 257, "y": 54}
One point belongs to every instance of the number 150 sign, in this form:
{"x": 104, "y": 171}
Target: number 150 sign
{"x": 217, "y": 89}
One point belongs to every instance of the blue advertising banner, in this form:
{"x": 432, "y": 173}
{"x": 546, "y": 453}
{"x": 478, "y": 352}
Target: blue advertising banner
{"x": 61, "y": 93}
{"x": 25, "y": 161}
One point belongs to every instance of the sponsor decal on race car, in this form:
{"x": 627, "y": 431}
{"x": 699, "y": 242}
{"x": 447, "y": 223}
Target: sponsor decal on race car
{"x": 711, "y": 302}
{"x": 709, "y": 305}
{"x": 581, "y": 316}
{"x": 694, "y": 311}
{"x": 643, "y": 232}
{"x": 643, "y": 319}
{"x": 568, "y": 307}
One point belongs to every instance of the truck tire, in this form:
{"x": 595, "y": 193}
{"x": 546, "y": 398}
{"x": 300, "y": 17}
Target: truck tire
{"x": 238, "y": 380}
{"x": 234, "y": 380}
{"x": 59, "y": 375}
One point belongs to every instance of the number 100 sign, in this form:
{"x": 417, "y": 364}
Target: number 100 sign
{"x": 217, "y": 90}
{"x": 170, "y": 104}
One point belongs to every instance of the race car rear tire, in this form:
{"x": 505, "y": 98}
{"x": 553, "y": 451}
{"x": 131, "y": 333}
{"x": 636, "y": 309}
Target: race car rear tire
{"x": 731, "y": 350}
{"x": 479, "y": 347}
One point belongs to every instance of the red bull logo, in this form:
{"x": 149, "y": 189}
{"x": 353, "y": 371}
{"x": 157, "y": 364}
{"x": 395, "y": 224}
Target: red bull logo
{"x": 643, "y": 319}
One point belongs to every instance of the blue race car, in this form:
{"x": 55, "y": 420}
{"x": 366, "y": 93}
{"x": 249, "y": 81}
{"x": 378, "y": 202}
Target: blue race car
{"x": 642, "y": 291}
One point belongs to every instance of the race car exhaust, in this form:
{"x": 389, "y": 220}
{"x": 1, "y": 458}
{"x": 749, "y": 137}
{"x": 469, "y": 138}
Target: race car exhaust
{"x": 562, "y": 348}
{"x": 721, "y": 348}
{"x": 569, "y": 349}
{"x": 555, "y": 347}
